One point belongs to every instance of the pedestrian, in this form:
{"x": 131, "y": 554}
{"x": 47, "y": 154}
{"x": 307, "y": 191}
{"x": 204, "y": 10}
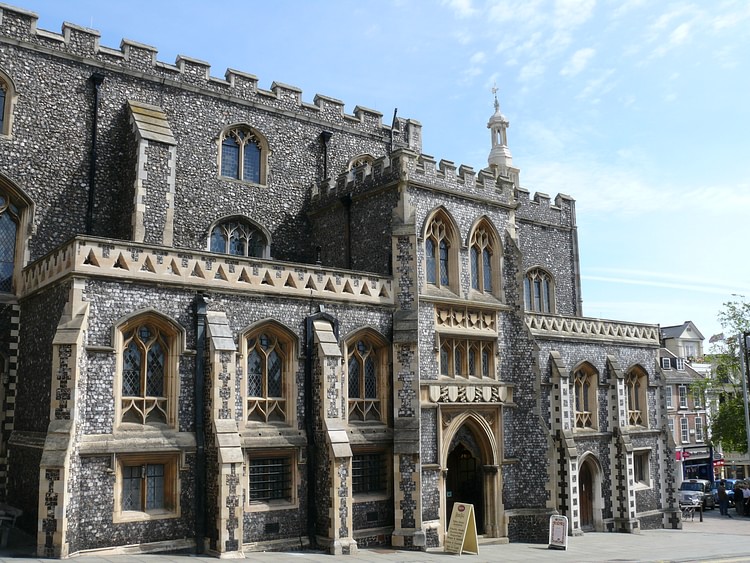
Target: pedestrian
{"x": 738, "y": 498}
{"x": 723, "y": 499}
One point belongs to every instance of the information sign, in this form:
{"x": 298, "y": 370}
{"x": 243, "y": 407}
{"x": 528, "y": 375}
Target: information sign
{"x": 558, "y": 532}
{"x": 462, "y": 531}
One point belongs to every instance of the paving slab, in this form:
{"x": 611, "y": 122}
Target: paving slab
{"x": 717, "y": 539}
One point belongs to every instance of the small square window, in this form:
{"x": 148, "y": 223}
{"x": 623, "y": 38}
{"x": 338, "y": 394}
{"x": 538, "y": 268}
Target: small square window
{"x": 641, "y": 468}
{"x": 147, "y": 487}
{"x": 665, "y": 363}
{"x": 369, "y": 473}
{"x": 271, "y": 480}
{"x": 680, "y": 364}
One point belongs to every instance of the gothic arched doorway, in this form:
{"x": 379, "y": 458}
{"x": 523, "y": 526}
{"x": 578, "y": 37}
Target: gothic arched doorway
{"x": 586, "y": 496}
{"x": 464, "y": 483}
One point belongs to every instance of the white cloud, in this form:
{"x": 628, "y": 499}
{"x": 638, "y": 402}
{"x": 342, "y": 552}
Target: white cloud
{"x": 597, "y": 86}
{"x": 478, "y": 58}
{"x": 462, "y": 8}
{"x": 530, "y": 71}
{"x": 578, "y": 62}
{"x": 572, "y": 13}
{"x": 680, "y": 34}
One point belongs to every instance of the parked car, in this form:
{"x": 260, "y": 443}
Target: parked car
{"x": 695, "y": 492}
{"x": 730, "y": 491}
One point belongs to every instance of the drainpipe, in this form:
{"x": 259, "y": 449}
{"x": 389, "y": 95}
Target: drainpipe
{"x": 325, "y": 136}
{"x": 96, "y": 79}
{"x": 346, "y": 201}
{"x": 200, "y": 439}
{"x": 310, "y": 430}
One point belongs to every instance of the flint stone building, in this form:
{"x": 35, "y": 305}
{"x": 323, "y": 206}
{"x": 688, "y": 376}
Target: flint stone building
{"x": 233, "y": 320}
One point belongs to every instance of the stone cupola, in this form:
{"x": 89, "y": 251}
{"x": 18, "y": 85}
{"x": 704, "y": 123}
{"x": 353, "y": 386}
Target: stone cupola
{"x": 500, "y": 159}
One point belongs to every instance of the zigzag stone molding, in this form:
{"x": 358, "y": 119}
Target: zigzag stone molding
{"x": 580, "y": 328}
{"x": 102, "y": 258}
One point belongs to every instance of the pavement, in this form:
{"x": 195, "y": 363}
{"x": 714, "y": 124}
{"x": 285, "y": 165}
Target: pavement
{"x": 717, "y": 539}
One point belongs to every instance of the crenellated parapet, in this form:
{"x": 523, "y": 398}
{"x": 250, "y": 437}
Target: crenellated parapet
{"x": 417, "y": 169}
{"x": 86, "y": 257}
{"x": 445, "y": 176}
{"x": 540, "y": 208}
{"x": 81, "y": 43}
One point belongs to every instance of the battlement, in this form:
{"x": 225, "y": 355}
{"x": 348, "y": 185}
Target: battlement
{"x": 81, "y": 43}
{"x": 541, "y": 210}
{"x": 421, "y": 169}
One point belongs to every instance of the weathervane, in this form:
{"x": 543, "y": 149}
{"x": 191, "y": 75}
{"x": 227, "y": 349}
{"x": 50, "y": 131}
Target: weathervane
{"x": 494, "y": 92}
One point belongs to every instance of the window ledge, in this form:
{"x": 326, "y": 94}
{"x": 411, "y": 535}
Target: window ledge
{"x": 370, "y": 497}
{"x": 641, "y": 486}
{"x": 137, "y": 516}
{"x": 271, "y": 506}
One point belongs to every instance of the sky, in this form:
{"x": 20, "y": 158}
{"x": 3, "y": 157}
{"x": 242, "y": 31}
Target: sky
{"x": 637, "y": 109}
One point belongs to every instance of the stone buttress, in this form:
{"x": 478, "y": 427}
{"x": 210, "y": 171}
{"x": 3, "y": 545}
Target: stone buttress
{"x": 54, "y": 471}
{"x": 564, "y": 456}
{"x": 335, "y": 531}
{"x": 221, "y": 365}
{"x": 407, "y": 472}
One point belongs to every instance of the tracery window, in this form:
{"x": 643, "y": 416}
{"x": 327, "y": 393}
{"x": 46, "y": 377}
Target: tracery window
{"x": 239, "y": 238}
{"x": 367, "y": 379}
{"x": 538, "y": 289}
{"x": 636, "y": 383}
{"x": 467, "y": 357}
{"x": 9, "y": 221}
{"x": 482, "y": 255}
{"x": 440, "y": 253}
{"x": 269, "y": 358}
{"x": 242, "y": 155}
{"x": 148, "y": 386}
{"x": 584, "y": 391}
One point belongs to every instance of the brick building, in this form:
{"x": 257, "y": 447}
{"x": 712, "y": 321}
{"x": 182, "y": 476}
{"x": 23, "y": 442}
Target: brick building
{"x": 233, "y": 320}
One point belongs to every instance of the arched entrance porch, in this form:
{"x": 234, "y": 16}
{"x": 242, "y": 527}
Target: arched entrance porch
{"x": 470, "y": 460}
{"x": 590, "y": 493}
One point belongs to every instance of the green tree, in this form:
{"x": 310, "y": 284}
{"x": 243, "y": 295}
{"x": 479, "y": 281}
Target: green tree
{"x": 728, "y": 425}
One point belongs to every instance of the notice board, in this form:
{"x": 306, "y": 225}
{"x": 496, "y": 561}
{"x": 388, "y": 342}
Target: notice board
{"x": 558, "y": 532}
{"x": 462, "y": 531}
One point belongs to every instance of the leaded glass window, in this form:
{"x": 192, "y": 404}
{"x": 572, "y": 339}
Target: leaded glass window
{"x": 238, "y": 238}
{"x": 3, "y": 99}
{"x": 462, "y": 357}
{"x": 363, "y": 384}
{"x": 143, "y": 487}
{"x": 266, "y": 365}
{"x": 481, "y": 260}
{"x": 241, "y": 155}
{"x": 584, "y": 395}
{"x": 438, "y": 260}
{"x": 538, "y": 291}
{"x": 144, "y": 398}
{"x": 8, "y": 235}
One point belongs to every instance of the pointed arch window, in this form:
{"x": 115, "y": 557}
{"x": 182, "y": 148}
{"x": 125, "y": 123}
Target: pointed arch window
{"x": 7, "y": 99}
{"x": 148, "y": 372}
{"x": 239, "y": 238}
{"x": 636, "y": 385}
{"x": 243, "y": 154}
{"x": 440, "y": 253}
{"x": 482, "y": 249}
{"x": 366, "y": 379}
{"x": 461, "y": 357}
{"x": 269, "y": 368}
{"x": 9, "y": 221}
{"x": 584, "y": 392}
{"x": 539, "y": 291}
